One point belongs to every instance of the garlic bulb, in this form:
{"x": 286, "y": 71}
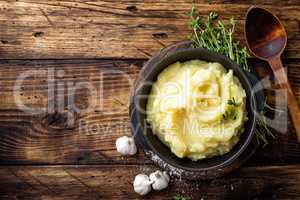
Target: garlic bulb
{"x": 126, "y": 146}
{"x": 142, "y": 184}
{"x": 160, "y": 180}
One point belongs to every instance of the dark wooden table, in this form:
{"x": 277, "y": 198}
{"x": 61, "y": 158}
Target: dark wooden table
{"x": 62, "y": 154}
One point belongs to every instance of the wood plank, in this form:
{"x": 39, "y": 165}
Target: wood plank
{"x": 131, "y": 29}
{"x": 115, "y": 182}
{"x": 68, "y": 137}
{"x": 61, "y": 136}
{"x": 251, "y": 2}
{"x": 248, "y": 2}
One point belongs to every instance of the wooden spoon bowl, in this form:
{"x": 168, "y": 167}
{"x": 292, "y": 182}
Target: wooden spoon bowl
{"x": 265, "y": 34}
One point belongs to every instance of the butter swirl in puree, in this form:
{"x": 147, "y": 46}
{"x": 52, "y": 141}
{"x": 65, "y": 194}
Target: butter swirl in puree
{"x": 197, "y": 109}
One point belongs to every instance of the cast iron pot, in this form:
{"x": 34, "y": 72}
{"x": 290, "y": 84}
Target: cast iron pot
{"x": 160, "y": 153}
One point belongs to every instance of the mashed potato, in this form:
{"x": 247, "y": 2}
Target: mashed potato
{"x": 197, "y": 109}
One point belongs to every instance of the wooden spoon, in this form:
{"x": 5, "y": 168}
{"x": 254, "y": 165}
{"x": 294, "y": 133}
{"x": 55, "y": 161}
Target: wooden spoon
{"x": 266, "y": 39}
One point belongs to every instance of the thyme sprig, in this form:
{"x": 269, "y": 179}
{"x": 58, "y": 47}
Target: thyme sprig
{"x": 215, "y": 35}
{"x": 179, "y": 197}
{"x": 232, "y": 102}
{"x": 230, "y": 115}
{"x": 262, "y": 130}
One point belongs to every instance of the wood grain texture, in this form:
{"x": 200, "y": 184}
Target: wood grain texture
{"x": 66, "y": 36}
{"x": 61, "y": 134}
{"x": 64, "y": 136}
{"x": 132, "y": 29}
{"x": 115, "y": 182}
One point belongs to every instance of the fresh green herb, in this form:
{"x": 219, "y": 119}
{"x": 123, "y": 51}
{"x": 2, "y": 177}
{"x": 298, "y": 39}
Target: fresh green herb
{"x": 215, "y": 35}
{"x": 230, "y": 115}
{"x": 232, "y": 102}
{"x": 262, "y": 130}
{"x": 268, "y": 108}
{"x": 179, "y": 197}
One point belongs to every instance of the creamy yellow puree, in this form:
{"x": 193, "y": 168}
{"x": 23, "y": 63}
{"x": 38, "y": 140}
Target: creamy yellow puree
{"x": 197, "y": 109}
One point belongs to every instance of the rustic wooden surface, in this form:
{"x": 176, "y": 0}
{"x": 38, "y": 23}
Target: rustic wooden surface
{"x": 128, "y": 29}
{"x": 115, "y": 182}
{"x": 49, "y": 156}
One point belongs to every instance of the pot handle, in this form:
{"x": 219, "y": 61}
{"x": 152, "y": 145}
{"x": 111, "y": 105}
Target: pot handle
{"x": 257, "y": 90}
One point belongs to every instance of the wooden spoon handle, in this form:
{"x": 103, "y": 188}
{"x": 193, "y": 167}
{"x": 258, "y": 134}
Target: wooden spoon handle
{"x": 281, "y": 77}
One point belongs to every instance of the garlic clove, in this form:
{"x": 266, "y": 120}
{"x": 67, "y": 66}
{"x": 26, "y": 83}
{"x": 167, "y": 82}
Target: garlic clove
{"x": 126, "y": 146}
{"x": 160, "y": 180}
{"x": 142, "y": 184}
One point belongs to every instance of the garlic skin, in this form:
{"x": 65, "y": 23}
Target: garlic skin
{"x": 126, "y": 146}
{"x": 142, "y": 184}
{"x": 160, "y": 180}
